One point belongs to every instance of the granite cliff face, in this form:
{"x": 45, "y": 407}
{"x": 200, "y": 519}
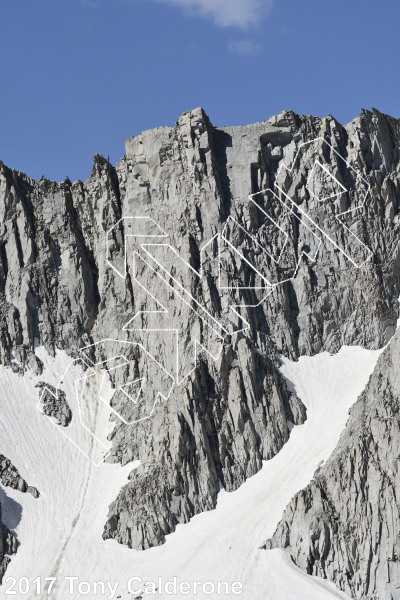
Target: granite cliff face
{"x": 345, "y": 525}
{"x": 193, "y": 181}
{"x": 55, "y": 281}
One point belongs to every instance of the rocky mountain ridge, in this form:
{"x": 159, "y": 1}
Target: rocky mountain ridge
{"x": 59, "y": 290}
{"x": 344, "y": 526}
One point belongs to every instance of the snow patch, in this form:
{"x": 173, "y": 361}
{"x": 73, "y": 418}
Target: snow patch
{"x": 61, "y": 532}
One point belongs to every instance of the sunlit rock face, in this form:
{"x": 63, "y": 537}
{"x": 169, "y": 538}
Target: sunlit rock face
{"x": 293, "y": 222}
{"x": 344, "y": 525}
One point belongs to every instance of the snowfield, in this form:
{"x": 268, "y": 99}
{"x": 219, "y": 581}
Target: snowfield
{"x": 61, "y": 532}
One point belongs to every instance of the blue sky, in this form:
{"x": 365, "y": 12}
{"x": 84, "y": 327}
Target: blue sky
{"x": 81, "y": 76}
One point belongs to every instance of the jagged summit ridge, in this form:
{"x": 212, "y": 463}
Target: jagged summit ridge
{"x": 58, "y": 290}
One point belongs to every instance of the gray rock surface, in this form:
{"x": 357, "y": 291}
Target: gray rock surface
{"x": 54, "y": 404}
{"x": 9, "y": 476}
{"x": 345, "y": 525}
{"x": 8, "y": 547}
{"x": 57, "y": 289}
{"x": 225, "y": 423}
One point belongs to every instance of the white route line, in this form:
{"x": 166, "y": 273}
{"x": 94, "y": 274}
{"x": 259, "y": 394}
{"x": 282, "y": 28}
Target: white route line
{"x": 325, "y": 168}
{"x": 163, "y": 234}
{"x": 337, "y": 217}
{"x": 197, "y": 343}
{"x": 194, "y": 305}
{"x": 143, "y": 349}
{"x": 60, "y": 428}
{"x": 85, "y": 360}
{"x": 190, "y": 296}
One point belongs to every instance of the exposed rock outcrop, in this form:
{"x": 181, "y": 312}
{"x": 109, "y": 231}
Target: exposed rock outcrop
{"x": 54, "y": 404}
{"x": 8, "y": 547}
{"x": 9, "y": 476}
{"x": 57, "y": 288}
{"x": 326, "y": 305}
{"x": 345, "y": 525}
{"x": 226, "y": 422}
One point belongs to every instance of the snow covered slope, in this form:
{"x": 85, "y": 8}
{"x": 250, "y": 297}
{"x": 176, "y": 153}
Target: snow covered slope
{"x": 61, "y": 532}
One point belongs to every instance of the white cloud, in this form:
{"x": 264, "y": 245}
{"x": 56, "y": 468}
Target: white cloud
{"x": 244, "y": 47}
{"x": 226, "y": 13}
